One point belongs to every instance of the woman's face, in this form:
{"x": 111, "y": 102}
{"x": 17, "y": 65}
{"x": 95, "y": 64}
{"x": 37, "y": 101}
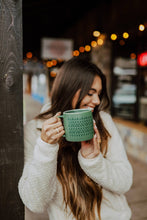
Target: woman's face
{"x": 91, "y": 100}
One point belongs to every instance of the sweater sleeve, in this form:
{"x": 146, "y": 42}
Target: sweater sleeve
{"x": 114, "y": 172}
{"x": 37, "y": 184}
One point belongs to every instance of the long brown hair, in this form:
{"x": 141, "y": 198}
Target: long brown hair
{"x": 81, "y": 194}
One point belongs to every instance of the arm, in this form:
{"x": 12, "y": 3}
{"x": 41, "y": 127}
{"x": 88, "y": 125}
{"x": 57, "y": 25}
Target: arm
{"x": 114, "y": 172}
{"x": 37, "y": 185}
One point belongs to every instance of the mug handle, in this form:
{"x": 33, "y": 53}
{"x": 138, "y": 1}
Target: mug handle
{"x": 61, "y": 116}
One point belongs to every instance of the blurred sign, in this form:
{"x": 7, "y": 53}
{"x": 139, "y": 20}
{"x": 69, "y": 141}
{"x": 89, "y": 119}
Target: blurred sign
{"x": 142, "y": 59}
{"x": 56, "y": 48}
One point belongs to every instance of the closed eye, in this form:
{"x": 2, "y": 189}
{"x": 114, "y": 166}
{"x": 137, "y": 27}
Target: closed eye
{"x": 92, "y": 91}
{"x": 89, "y": 94}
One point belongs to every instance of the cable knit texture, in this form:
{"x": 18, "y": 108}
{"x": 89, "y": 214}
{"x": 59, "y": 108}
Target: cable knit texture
{"x": 41, "y": 191}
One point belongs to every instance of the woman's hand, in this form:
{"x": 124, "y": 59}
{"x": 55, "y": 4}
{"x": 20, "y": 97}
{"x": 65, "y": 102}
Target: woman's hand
{"x": 52, "y": 129}
{"x": 91, "y": 149}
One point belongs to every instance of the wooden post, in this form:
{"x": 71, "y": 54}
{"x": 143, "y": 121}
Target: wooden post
{"x": 11, "y": 109}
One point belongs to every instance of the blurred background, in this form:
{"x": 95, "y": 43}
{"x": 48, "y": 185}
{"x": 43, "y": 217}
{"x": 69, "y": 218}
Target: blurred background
{"x": 113, "y": 35}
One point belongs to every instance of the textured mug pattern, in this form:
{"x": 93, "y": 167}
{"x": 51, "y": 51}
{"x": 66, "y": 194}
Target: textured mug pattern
{"x": 78, "y": 125}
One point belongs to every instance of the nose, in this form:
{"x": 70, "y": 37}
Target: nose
{"x": 96, "y": 99}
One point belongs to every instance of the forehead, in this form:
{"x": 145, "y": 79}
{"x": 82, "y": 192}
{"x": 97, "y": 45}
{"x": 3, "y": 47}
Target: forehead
{"x": 97, "y": 83}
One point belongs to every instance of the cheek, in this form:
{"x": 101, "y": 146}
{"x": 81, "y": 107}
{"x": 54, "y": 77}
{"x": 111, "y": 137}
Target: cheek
{"x": 85, "y": 101}
{"x": 75, "y": 99}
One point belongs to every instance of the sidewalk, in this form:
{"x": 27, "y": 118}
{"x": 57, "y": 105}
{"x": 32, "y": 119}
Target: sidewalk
{"x": 137, "y": 196}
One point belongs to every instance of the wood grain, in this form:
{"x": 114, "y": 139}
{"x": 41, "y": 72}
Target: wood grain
{"x": 11, "y": 109}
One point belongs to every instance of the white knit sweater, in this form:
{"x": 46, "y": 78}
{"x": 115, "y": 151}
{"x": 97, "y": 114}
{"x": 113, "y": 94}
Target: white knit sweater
{"x": 41, "y": 191}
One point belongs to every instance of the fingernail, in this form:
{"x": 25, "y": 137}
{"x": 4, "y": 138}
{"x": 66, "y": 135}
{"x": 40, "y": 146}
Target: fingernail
{"x": 95, "y": 136}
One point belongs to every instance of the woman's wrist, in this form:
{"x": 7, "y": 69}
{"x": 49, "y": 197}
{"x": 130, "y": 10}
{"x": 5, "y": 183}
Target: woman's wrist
{"x": 89, "y": 155}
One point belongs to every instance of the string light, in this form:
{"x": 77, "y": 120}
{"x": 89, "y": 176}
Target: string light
{"x": 125, "y": 35}
{"x": 87, "y": 48}
{"x": 96, "y": 33}
{"x": 133, "y": 56}
{"x": 100, "y": 42}
{"x": 49, "y": 64}
{"x": 53, "y": 74}
{"x": 113, "y": 36}
{"x": 102, "y": 36}
{"x": 93, "y": 43}
{"x": 76, "y": 53}
{"x": 54, "y": 62}
{"x": 81, "y": 49}
{"x": 29, "y": 55}
{"x": 122, "y": 42}
{"x": 141, "y": 27}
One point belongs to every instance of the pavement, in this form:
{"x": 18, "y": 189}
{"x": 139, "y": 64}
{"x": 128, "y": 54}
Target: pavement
{"x": 137, "y": 195}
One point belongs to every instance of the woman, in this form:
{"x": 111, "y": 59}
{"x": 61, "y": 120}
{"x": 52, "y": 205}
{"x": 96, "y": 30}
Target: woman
{"x": 80, "y": 181}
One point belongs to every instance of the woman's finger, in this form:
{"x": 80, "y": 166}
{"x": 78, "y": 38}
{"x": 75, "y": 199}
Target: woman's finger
{"x": 56, "y": 116}
{"x": 59, "y": 135}
{"x": 53, "y": 126}
{"x": 95, "y": 143}
{"x": 97, "y": 133}
{"x": 54, "y": 131}
{"x": 54, "y": 135}
{"x": 53, "y": 119}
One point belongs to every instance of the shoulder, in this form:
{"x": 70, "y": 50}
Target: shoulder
{"x": 46, "y": 107}
{"x": 108, "y": 121}
{"x": 32, "y": 130}
{"x": 30, "y": 126}
{"x": 105, "y": 116}
{"x": 31, "y": 134}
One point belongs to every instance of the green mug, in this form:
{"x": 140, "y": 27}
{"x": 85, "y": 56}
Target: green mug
{"x": 78, "y": 125}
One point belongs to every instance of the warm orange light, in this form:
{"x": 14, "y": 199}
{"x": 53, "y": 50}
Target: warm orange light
{"x": 29, "y": 55}
{"x": 54, "y": 62}
{"x": 113, "y": 36}
{"x": 122, "y": 42}
{"x": 102, "y": 36}
{"x": 49, "y": 64}
{"x": 81, "y": 49}
{"x": 76, "y": 53}
{"x": 87, "y": 48}
{"x": 100, "y": 41}
{"x": 93, "y": 43}
{"x": 125, "y": 35}
{"x": 96, "y": 33}
{"x": 133, "y": 56}
{"x": 53, "y": 74}
{"x": 141, "y": 27}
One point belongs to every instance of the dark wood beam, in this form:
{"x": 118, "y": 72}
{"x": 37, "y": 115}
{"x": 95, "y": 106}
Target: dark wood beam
{"x": 11, "y": 109}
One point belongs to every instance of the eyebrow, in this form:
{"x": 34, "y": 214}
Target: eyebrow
{"x": 93, "y": 89}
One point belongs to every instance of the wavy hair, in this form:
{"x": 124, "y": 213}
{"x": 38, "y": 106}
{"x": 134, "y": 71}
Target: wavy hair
{"x": 81, "y": 194}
